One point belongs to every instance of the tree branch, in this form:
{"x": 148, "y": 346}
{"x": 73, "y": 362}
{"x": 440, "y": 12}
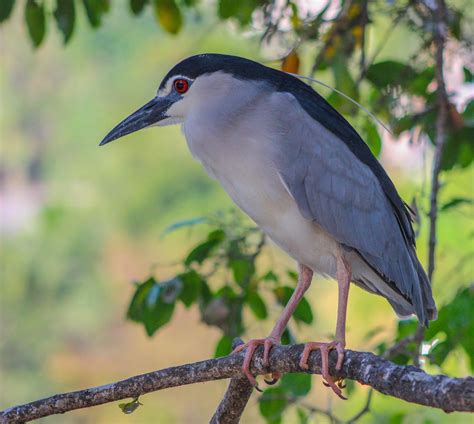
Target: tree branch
{"x": 234, "y": 402}
{"x": 235, "y": 399}
{"x": 404, "y": 382}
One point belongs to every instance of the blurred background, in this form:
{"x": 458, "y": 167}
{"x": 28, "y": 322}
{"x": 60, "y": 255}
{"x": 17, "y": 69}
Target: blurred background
{"x": 80, "y": 224}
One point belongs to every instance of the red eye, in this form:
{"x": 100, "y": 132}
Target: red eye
{"x": 181, "y": 85}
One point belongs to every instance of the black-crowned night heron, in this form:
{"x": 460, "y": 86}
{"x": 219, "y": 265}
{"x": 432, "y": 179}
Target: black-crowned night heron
{"x": 304, "y": 175}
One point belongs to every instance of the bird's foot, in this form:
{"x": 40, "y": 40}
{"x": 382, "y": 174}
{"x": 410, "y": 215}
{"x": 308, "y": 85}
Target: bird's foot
{"x": 251, "y": 345}
{"x": 325, "y": 348}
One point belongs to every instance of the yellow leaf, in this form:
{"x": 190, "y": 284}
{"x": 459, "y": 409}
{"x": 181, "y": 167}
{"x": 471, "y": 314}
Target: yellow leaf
{"x": 168, "y": 15}
{"x": 291, "y": 63}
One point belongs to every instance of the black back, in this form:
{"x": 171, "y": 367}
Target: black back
{"x": 315, "y": 105}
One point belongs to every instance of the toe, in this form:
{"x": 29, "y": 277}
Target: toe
{"x": 250, "y": 377}
{"x": 267, "y": 345}
{"x": 340, "y": 356}
{"x": 239, "y": 348}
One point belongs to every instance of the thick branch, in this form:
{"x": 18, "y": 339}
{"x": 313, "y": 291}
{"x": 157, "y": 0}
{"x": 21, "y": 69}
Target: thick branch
{"x": 234, "y": 402}
{"x": 404, "y": 382}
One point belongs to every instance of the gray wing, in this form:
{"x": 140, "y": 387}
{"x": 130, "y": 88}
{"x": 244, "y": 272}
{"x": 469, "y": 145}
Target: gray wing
{"x": 342, "y": 195}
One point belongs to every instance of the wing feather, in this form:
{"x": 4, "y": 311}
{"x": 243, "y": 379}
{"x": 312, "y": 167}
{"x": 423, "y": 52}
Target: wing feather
{"x": 341, "y": 193}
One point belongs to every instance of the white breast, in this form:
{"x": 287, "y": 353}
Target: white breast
{"x": 244, "y": 169}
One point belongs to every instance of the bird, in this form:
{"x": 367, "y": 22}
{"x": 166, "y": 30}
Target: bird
{"x": 305, "y": 176}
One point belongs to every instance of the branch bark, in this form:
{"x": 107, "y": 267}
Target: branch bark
{"x": 404, "y": 382}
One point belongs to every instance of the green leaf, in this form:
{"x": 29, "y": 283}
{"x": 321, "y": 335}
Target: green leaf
{"x": 404, "y": 123}
{"x": 350, "y": 386}
{"x": 200, "y": 252}
{"x": 35, "y": 21}
{"x": 192, "y": 283}
{"x": 137, "y": 6}
{"x": 468, "y": 77}
{"x": 203, "y": 250}
{"x": 439, "y": 352}
{"x": 468, "y": 114}
{"x": 390, "y": 73}
{"x": 381, "y": 348}
{"x": 298, "y": 384}
{"x": 455, "y": 19}
{"x": 6, "y": 7}
{"x": 95, "y": 9}
{"x": 242, "y": 270}
{"x": 456, "y": 321}
{"x": 227, "y": 8}
{"x": 157, "y": 315}
{"x": 129, "y": 407}
{"x": 303, "y": 416}
{"x": 302, "y": 312}
{"x": 205, "y": 295}
{"x": 168, "y": 15}
{"x": 400, "y": 359}
{"x": 224, "y": 346}
{"x": 272, "y": 404}
{"x": 419, "y": 84}
{"x": 459, "y": 149}
{"x": 287, "y": 337}
{"x": 457, "y": 201}
{"x": 135, "y": 309}
{"x": 257, "y": 305}
{"x": 397, "y": 418}
{"x": 65, "y": 15}
{"x": 372, "y": 137}
{"x": 346, "y": 84}
{"x": 270, "y": 276}
{"x": 153, "y": 303}
{"x": 406, "y": 327}
{"x": 241, "y": 10}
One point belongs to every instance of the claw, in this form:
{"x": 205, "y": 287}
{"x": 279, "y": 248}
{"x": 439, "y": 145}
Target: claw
{"x": 325, "y": 348}
{"x": 275, "y": 377}
{"x": 251, "y": 345}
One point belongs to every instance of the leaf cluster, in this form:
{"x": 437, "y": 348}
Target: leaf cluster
{"x": 219, "y": 276}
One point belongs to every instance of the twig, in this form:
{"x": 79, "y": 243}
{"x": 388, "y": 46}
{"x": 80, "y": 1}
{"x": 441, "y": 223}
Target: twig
{"x": 439, "y": 38}
{"x": 399, "y": 347}
{"x": 404, "y": 382}
{"x": 441, "y": 123}
{"x": 364, "y": 410}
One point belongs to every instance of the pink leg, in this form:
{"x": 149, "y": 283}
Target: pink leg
{"x": 304, "y": 281}
{"x": 343, "y": 275}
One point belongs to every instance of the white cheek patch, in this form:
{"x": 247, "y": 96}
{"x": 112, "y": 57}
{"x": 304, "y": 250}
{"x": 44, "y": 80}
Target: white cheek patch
{"x": 178, "y": 110}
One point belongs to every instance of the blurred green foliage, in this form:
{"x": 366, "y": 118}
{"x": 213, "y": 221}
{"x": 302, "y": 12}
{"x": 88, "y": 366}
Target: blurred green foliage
{"x": 219, "y": 275}
{"x": 89, "y": 210}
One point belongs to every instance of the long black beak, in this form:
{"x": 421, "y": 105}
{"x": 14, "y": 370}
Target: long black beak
{"x": 153, "y": 112}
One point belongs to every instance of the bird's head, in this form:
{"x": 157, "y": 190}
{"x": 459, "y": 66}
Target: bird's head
{"x": 196, "y": 83}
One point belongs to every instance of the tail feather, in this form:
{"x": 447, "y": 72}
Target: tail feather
{"x": 422, "y": 305}
{"x": 431, "y": 311}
